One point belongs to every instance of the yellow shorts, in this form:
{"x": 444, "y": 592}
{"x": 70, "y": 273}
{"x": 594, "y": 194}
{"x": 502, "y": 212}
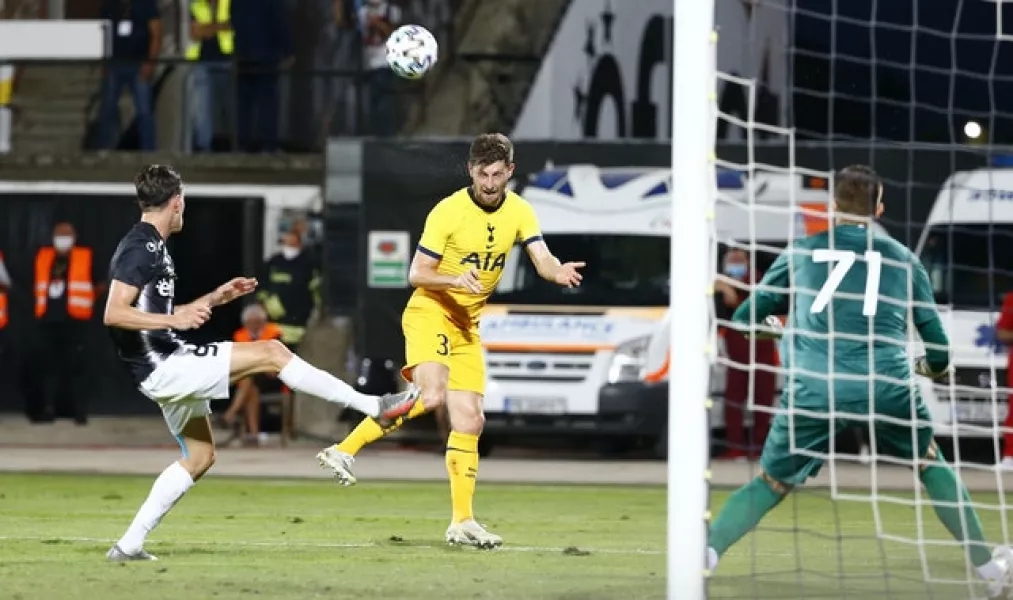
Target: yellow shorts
{"x": 430, "y": 336}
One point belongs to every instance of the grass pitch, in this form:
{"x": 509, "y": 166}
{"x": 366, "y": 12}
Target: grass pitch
{"x": 294, "y": 539}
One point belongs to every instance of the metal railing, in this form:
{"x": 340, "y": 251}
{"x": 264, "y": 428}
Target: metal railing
{"x": 194, "y": 106}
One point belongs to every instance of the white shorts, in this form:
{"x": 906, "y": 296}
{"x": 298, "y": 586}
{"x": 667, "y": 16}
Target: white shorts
{"x": 187, "y": 381}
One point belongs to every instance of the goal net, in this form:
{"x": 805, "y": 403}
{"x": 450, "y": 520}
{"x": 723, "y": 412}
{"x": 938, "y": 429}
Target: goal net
{"x": 922, "y": 92}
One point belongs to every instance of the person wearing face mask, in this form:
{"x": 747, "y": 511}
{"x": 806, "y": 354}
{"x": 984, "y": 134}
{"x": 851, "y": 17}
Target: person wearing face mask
{"x": 730, "y": 291}
{"x": 64, "y": 301}
{"x": 291, "y": 283}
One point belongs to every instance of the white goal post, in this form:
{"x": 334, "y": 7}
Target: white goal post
{"x": 693, "y": 170}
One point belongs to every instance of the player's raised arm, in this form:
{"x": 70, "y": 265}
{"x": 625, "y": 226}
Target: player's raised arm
{"x": 768, "y": 298}
{"x": 546, "y": 264}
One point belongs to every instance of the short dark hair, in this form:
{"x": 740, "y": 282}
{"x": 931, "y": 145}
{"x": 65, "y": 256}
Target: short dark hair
{"x": 156, "y": 185}
{"x": 856, "y": 190}
{"x": 489, "y": 148}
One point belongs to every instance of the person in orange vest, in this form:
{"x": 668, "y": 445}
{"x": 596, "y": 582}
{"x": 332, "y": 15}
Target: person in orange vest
{"x": 247, "y": 395}
{"x": 64, "y": 303}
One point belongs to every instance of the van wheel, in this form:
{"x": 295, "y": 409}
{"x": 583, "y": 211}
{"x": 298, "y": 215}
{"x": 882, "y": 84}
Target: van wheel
{"x": 485, "y": 446}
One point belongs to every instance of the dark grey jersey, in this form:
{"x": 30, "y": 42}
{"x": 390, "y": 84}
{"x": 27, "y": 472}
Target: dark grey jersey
{"x": 142, "y": 261}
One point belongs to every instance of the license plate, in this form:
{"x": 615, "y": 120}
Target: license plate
{"x": 537, "y": 406}
{"x": 980, "y": 412}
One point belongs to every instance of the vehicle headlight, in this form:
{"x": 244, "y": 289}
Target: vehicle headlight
{"x": 629, "y": 360}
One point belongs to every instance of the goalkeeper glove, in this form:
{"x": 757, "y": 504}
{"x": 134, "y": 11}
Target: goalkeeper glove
{"x": 942, "y": 377}
{"x": 771, "y": 329}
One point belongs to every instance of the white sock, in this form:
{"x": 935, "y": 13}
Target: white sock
{"x": 712, "y": 559}
{"x": 304, "y": 377}
{"x": 167, "y": 490}
{"x": 991, "y": 571}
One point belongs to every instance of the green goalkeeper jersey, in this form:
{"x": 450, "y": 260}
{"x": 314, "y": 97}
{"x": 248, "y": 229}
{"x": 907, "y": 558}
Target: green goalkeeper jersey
{"x": 850, "y": 295}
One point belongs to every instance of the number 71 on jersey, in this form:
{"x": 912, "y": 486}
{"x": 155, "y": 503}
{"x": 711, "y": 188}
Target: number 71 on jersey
{"x": 845, "y": 259}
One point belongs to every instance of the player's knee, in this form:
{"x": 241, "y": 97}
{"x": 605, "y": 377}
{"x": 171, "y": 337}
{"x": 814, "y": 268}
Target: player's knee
{"x": 200, "y": 461}
{"x": 779, "y": 487}
{"x": 467, "y": 419}
{"x": 276, "y": 354}
{"x": 434, "y": 395}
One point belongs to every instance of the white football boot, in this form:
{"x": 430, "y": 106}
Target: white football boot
{"x": 1002, "y": 586}
{"x": 340, "y": 463}
{"x": 470, "y": 533}
{"x": 117, "y": 555}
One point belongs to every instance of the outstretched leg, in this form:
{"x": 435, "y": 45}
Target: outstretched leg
{"x": 742, "y": 512}
{"x": 782, "y": 470}
{"x": 271, "y": 356}
{"x": 952, "y": 503}
{"x": 198, "y": 447}
{"x": 430, "y": 378}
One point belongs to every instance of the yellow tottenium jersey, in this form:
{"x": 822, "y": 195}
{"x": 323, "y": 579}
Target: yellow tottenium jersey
{"x": 463, "y": 235}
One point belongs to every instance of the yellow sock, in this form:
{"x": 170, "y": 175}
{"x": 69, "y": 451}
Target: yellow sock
{"x": 368, "y": 431}
{"x": 462, "y": 465}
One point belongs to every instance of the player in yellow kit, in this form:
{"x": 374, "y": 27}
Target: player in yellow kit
{"x": 457, "y": 265}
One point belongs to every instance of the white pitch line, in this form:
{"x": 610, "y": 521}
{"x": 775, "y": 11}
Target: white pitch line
{"x": 330, "y": 545}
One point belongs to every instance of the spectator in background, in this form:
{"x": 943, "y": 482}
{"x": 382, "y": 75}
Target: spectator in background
{"x": 377, "y": 20}
{"x": 263, "y": 36}
{"x": 64, "y": 301}
{"x": 289, "y": 289}
{"x": 1004, "y": 335}
{"x": 137, "y": 40}
{"x": 728, "y": 297}
{"x": 212, "y": 43}
{"x": 247, "y": 394}
{"x": 334, "y": 98}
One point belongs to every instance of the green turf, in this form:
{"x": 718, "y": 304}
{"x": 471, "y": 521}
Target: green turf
{"x": 293, "y": 539}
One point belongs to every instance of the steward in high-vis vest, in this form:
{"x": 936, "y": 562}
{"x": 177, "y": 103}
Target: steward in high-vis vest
{"x": 289, "y": 289}
{"x": 64, "y": 303}
{"x": 63, "y": 284}
{"x": 212, "y": 43}
{"x": 211, "y": 35}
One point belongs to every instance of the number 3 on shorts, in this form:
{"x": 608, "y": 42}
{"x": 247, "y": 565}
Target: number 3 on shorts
{"x": 845, "y": 259}
{"x": 444, "y": 342}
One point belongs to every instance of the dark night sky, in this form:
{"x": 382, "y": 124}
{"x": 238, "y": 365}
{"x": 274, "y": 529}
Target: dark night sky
{"x": 905, "y": 70}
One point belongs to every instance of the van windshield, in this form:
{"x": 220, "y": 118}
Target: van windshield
{"x": 622, "y": 270}
{"x": 970, "y": 265}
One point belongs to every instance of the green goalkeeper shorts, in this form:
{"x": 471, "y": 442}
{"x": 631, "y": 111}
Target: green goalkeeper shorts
{"x": 798, "y": 444}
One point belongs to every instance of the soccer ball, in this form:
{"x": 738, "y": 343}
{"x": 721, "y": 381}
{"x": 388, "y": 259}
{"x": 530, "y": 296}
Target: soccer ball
{"x": 411, "y": 51}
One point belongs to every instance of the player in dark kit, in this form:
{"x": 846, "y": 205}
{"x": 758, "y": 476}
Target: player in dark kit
{"x": 182, "y": 378}
{"x": 852, "y": 296}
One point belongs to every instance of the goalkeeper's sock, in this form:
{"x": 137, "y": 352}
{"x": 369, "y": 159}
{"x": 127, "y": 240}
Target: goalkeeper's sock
{"x": 946, "y": 489}
{"x": 462, "y": 466}
{"x": 741, "y": 513}
{"x": 368, "y": 430}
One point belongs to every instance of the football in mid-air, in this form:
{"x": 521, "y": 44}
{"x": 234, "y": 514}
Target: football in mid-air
{"x": 411, "y": 51}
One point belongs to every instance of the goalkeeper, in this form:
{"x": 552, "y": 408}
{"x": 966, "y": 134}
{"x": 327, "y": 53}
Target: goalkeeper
{"x": 813, "y": 270}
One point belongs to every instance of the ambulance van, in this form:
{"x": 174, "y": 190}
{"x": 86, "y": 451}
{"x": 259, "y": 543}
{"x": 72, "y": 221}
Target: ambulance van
{"x": 967, "y": 249}
{"x": 576, "y": 361}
